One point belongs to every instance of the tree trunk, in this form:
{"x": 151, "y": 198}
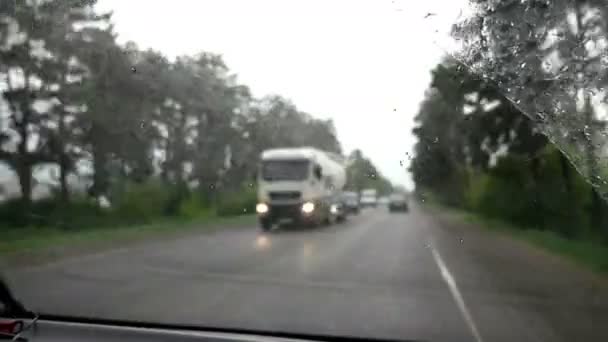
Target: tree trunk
{"x": 566, "y": 173}
{"x": 63, "y": 179}
{"x": 596, "y": 210}
{"x": 536, "y": 177}
{"x": 24, "y": 166}
{"x": 592, "y": 167}
{"x": 24, "y": 172}
{"x": 63, "y": 162}
{"x": 100, "y": 173}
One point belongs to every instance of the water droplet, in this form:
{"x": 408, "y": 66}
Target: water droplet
{"x": 541, "y": 116}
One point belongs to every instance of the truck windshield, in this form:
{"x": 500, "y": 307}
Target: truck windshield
{"x": 285, "y": 170}
{"x": 350, "y": 196}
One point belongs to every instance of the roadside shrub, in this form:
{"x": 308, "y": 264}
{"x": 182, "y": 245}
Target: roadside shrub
{"x": 237, "y": 203}
{"x": 142, "y": 203}
{"x": 194, "y": 207}
{"x": 510, "y": 192}
{"x": 78, "y": 213}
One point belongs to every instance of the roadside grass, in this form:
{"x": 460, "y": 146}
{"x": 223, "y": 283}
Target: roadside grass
{"x": 585, "y": 251}
{"x": 41, "y": 241}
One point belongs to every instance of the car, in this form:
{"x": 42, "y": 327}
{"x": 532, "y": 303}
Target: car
{"x": 350, "y": 200}
{"x": 383, "y": 201}
{"x": 397, "y": 202}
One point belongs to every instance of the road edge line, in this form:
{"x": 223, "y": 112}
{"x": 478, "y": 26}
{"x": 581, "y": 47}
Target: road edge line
{"x": 451, "y": 283}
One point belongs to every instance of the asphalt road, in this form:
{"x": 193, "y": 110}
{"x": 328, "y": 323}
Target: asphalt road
{"x": 420, "y": 275}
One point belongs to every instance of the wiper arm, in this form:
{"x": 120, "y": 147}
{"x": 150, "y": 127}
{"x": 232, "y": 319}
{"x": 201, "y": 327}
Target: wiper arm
{"x": 12, "y": 307}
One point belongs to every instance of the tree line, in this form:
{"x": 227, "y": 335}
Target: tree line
{"x": 512, "y": 126}
{"x": 121, "y": 116}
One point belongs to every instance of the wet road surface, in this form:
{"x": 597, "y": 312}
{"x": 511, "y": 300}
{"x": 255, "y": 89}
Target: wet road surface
{"x": 420, "y": 275}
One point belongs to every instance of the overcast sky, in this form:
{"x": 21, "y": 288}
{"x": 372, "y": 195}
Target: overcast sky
{"x": 365, "y": 64}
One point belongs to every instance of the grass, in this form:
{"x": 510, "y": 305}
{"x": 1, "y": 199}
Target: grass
{"x": 44, "y": 241}
{"x": 587, "y": 252}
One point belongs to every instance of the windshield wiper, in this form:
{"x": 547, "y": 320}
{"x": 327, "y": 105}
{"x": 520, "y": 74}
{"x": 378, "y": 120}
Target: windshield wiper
{"x": 12, "y": 307}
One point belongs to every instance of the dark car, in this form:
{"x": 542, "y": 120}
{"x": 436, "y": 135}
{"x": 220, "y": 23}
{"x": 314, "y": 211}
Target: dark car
{"x": 397, "y": 202}
{"x": 351, "y": 203}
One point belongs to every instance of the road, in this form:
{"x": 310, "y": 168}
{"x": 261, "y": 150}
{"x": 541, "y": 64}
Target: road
{"x": 420, "y": 275}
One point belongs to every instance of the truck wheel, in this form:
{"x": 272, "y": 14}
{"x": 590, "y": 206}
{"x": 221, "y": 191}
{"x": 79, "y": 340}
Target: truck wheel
{"x": 266, "y": 225}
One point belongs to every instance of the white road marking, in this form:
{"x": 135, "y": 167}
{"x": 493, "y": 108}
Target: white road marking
{"x": 451, "y": 282}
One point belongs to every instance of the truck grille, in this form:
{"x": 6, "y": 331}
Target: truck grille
{"x": 284, "y": 195}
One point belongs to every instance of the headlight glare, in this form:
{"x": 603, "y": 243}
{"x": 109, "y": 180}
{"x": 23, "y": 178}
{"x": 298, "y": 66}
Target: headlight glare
{"x": 261, "y": 208}
{"x": 308, "y": 207}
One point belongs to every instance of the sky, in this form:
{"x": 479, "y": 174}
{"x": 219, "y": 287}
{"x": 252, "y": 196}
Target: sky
{"x": 364, "y": 64}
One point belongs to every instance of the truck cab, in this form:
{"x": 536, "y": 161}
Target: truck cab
{"x": 300, "y": 185}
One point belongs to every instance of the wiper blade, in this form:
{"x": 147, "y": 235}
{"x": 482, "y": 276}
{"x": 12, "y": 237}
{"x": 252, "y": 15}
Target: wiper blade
{"x": 12, "y": 307}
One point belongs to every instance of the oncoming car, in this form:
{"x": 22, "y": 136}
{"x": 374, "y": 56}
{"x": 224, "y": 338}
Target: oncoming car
{"x": 397, "y": 202}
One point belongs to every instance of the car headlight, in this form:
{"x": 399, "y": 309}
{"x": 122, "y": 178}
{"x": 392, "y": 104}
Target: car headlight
{"x": 333, "y": 209}
{"x": 308, "y": 207}
{"x": 261, "y": 208}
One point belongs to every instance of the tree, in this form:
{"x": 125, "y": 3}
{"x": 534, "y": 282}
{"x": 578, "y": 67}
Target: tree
{"x": 361, "y": 174}
{"x": 546, "y": 56}
{"x": 34, "y": 67}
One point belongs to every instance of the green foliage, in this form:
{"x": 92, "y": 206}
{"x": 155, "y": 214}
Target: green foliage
{"x": 237, "y": 203}
{"x": 194, "y": 208}
{"x": 51, "y": 212}
{"x": 361, "y": 173}
{"x": 119, "y": 108}
{"x": 494, "y": 161}
{"x": 142, "y": 203}
{"x": 509, "y": 191}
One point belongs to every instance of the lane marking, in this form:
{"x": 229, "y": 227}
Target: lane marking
{"x": 451, "y": 282}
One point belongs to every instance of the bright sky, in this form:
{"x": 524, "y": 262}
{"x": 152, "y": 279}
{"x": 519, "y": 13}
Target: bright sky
{"x": 365, "y": 64}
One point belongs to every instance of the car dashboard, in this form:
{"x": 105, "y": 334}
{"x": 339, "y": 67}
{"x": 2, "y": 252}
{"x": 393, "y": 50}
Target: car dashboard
{"x": 66, "y": 330}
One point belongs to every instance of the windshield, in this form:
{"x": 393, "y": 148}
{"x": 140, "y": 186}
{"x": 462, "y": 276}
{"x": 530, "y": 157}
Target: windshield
{"x": 350, "y": 196}
{"x": 285, "y": 170}
{"x": 429, "y": 170}
{"x": 397, "y": 197}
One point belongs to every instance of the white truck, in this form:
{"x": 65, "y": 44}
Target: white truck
{"x": 301, "y": 185}
{"x": 369, "y": 198}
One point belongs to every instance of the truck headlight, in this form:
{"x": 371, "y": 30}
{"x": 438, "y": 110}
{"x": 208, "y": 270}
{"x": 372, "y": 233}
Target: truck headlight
{"x": 261, "y": 208}
{"x": 308, "y": 207}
